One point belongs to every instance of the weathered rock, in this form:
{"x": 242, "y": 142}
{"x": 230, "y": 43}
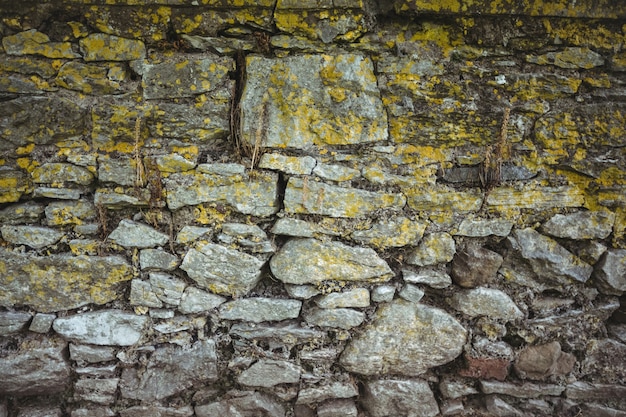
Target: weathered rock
{"x": 92, "y": 79}
{"x": 83, "y": 354}
{"x": 525, "y": 390}
{"x": 251, "y": 237}
{"x": 59, "y": 173}
{"x": 222, "y": 270}
{"x": 434, "y": 248}
{"x": 303, "y": 261}
{"x": 411, "y": 293}
{"x": 451, "y": 387}
{"x": 302, "y": 292}
{"x": 121, "y": 171}
{"x": 42, "y": 323}
{"x": 93, "y": 412}
{"x": 12, "y": 322}
{"x": 356, "y": 297}
{"x": 571, "y": 58}
{"x": 319, "y": 393}
{"x": 549, "y": 260}
{"x": 260, "y": 309}
{"x": 580, "y": 390}
{"x": 269, "y": 372}
{"x": 505, "y": 197}
{"x": 61, "y": 213}
{"x": 203, "y": 122}
{"x": 13, "y": 183}
{"x": 33, "y": 236}
{"x": 103, "y": 327}
{"x": 498, "y": 407}
{"x": 51, "y": 410}
{"x": 312, "y": 197}
{"x": 395, "y": 232}
{"x": 399, "y": 336}
{"x": 343, "y": 318}
{"x": 383, "y": 293}
{"x": 27, "y": 212}
{"x": 475, "y": 266}
{"x": 300, "y": 228}
{"x": 195, "y": 300}
{"x": 580, "y": 225}
{"x": 598, "y": 410}
{"x": 287, "y": 331}
{"x": 167, "y": 288}
{"x": 430, "y": 277}
{"x": 103, "y": 47}
{"x": 156, "y": 259}
{"x": 474, "y": 227}
{"x": 400, "y": 397}
{"x": 171, "y": 370}
{"x": 156, "y": 411}
{"x": 338, "y": 105}
{"x": 242, "y": 403}
{"x": 288, "y": 164}
{"x": 337, "y": 408}
{"x": 486, "y": 302}
{"x": 542, "y": 361}
{"x": 130, "y": 234}
{"x": 99, "y": 391}
{"x": 37, "y": 367}
{"x": 142, "y": 294}
{"x": 34, "y": 42}
{"x": 337, "y": 173}
{"x": 443, "y": 200}
{"x": 63, "y": 282}
{"x": 600, "y": 361}
{"x": 610, "y": 272}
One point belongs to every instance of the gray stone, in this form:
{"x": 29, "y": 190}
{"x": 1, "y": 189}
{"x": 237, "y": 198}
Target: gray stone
{"x": 174, "y": 162}
{"x": 57, "y": 193}
{"x": 37, "y": 367}
{"x": 383, "y": 293}
{"x": 286, "y": 331}
{"x": 63, "y": 282}
{"x": 293, "y": 165}
{"x": 99, "y": 391}
{"x": 130, "y": 234}
{"x": 336, "y": 389}
{"x": 223, "y": 46}
{"x": 313, "y": 197}
{"x": 356, "y": 297}
{"x": 473, "y": 227}
{"x": 33, "y": 236}
{"x": 475, "y": 266}
{"x": 156, "y": 411}
{"x": 302, "y": 292}
{"x": 118, "y": 171}
{"x": 570, "y": 58}
{"x": 300, "y": 228}
{"x": 452, "y": 407}
{"x": 411, "y": 292}
{"x": 189, "y": 234}
{"x": 40, "y": 411}
{"x": 248, "y": 194}
{"x": 242, "y": 403}
{"x": 61, "y": 213}
{"x": 525, "y": 390}
{"x": 117, "y": 198}
{"x": 399, "y": 397}
{"x": 83, "y": 354}
{"x": 157, "y": 259}
{"x": 42, "y": 323}
{"x": 13, "y": 322}
{"x": 268, "y": 372}
{"x": 103, "y": 327}
{"x": 195, "y": 300}
{"x": 167, "y": 288}
{"x": 433, "y": 249}
{"x": 260, "y": 309}
{"x": 598, "y": 410}
{"x": 580, "y": 225}
{"x": 450, "y": 387}
{"x": 249, "y": 236}
{"x": 488, "y": 302}
{"x": 601, "y": 357}
{"x": 610, "y": 272}
{"x": 580, "y": 390}
{"x": 400, "y": 333}
{"x": 334, "y": 100}
{"x": 395, "y": 232}
{"x": 549, "y": 260}
{"x": 104, "y": 47}
{"x": 93, "y": 412}
{"x": 432, "y": 278}
{"x": 222, "y": 270}
{"x": 303, "y": 261}
{"x": 337, "y": 408}
{"x": 59, "y": 173}
{"x": 142, "y": 294}
{"x": 161, "y": 313}
{"x": 538, "y": 199}
{"x": 27, "y": 212}
{"x": 204, "y": 122}
{"x": 617, "y": 331}
{"x": 179, "y": 323}
{"x": 171, "y": 370}
{"x": 337, "y": 173}
{"x": 100, "y": 371}
{"x": 498, "y": 407}
{"x": 343, "y": 318}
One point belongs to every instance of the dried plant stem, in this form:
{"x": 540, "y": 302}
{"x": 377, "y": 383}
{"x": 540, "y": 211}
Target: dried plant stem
{"x": 140, "y": 170}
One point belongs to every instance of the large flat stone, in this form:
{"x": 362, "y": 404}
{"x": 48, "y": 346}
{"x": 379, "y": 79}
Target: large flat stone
{"x": 60, "y": 282}
{"x": 486, "y": 302}
{"x": 399, "y": 397}
{"x": 270, "y": 372}
{"x": 302, "y": 261}
{"x": 104, "y": 327}
{"x": 33, "y": 236}
{"x": 580, "y": 225}
{"x": 260, "y": 309}
{"x": 242, "y": 403}
{"x": 610, "y": 272}
{"x": 404, "y": 338}
{"x": 131, "y": 234}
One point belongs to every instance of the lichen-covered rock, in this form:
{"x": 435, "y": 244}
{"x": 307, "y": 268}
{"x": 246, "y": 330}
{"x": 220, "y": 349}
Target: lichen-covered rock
{"x": 27, "y": 212}
{"x": 103, "y": 47}
{"x": 59, "y": 173}
{"x": 486, "y": 302}
{"x": 404, "y": 338}
{"x": 258, "y": 309}
{"x": 601, "y": 359}
{"x": 222, "y": 270}
{"x": 395, "y": 232}
{"x": 92, "y": 79}
{"x": 270, "y": 372}
{"x": 33, "y": 236}
{"x": 303, "y": 261}
{"x": 130, "y": 234}
{"x": 288, "y": 164}
{"x": 356, "y": 297}
{"x": 544, "y": 198}
{"x": 406, "y": 397}
{"x": 476, "y": 227}
{"x": 103, "y": 327}
{"x": 570, "y": 58}
{"x": 36, "y": 367}
{"x": 170, "y": 370}
{"x": 33, "y": 42}
{"x": 580, "y": 225}
{"x": 60, "y": 282}
{"x": 317, "y": 100}
{"x": 13, "y": 184}
{"x": 610, "y": 272}
{"x": 433, "y": 249}
{"x": 242, "y": 403}
{"x": 76, "y": 212}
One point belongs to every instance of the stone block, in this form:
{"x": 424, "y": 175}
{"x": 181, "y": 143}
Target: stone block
{"x": 104, "y": 47}
{"x": 102, "y": 327}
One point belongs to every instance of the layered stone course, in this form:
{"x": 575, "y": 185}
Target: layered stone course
{"x": 312, "y": 208}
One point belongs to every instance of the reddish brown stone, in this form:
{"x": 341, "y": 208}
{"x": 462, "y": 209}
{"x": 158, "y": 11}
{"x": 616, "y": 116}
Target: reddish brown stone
{"x": 486, "y": 368}
{"x": 542, "y": 361}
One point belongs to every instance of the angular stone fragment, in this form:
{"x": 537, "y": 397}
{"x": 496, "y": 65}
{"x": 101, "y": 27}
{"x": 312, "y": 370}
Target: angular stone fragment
{"x": 288, "y": 164}
{"x": 342, "y": 318}
{"x": 383, "y": 293}
{"x": 312, "y": 197}
{"x": 63, "y": 282}
{"x": 269, "y": 372}
{"x": 498, "y": 407}
{"x": 303, "y": 261}
{"x": 525, "y": 390}
{"x": 412, "y": 293}
{"x": 195, "y": 300}
{"x": 601, "y": 357}
{"x": 171, "y": 370}
{"x": 12, "y": 322}
{"x": 610, "y": 272}
{"x": 204, "y": 121}
{"x": 37, "y": 367}
{"x": 33, "y": 42}
{"x": 395, "y": 232}
{"x": 83, "y": 354}
{"x": 333, "y": 100}
{"x": 324, "y": 392}
{"x": 27, "y": 212}
{"x": 475, "y": 266}
{"x": 404, "y": 338}
{"x": 580, "y": 390}
{"x": 335, "y": 172}
{"x": 399, "y": 397}
{"x": 337, "y": 408}
{"x": 222, "y": 270}
{"x": 248, "y": 236}
{"x": 287, "y": 331}
{"x": 142, "y": 294}
{"x": 92, "y": 79}
{"x": 442, "y": 200}
{"x": 242, "y": 403}
{"x": 131, "y": 234}
{"x": 103, "y": 327}
{"x": 156, "y": 259}
{"x": 433, "y": 249}
{"x": 356, "y": 297}
{"x": 302, "y": 292}
{"x": 99, "y": 391}
{"x": 156, "y": 411}
{"x": 260, "y": 309}
{"x": 59, "y": 173}
{"x": 543, "y": 198}
{"x": 103, "y": 47}
{"x": 430, "y": 277}
{"x": 571, "y": 58}
{"x": 486, "y": 302}
{"x": 300, "y": 228}
{"x": 580, "y": 225}
{"x": 167, "y": 288}
{"x": 451, "y": 387}
{"x": 482, "y": 227}
{"x": 542, "y": 361}
{"x": 41, "y": 323}
{"x": 13, "y": 183}
{"x": 548, "y": 259}
{"x": 61, "y": 213}
{"x": 122, "y": 171}
{"x": 32, "y": 236}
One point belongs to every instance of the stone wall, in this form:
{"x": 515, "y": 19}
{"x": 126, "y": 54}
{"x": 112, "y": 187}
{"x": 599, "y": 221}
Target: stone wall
{"x": 301, "y": 208}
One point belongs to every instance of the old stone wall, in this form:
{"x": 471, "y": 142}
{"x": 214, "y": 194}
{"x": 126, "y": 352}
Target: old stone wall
{"x": 312, "y": 208}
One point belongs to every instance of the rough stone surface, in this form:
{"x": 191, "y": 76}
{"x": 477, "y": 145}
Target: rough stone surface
{"x": 434, "y": 248}
{"x": 475, "y": 227}
{"x": 610, "y": 272}
{"x": 357, "y": 297}
{"x": 599, "y": 362}
{"x": 430, "y": 277}
{"x": 155, "y": 411}
{"x": 396, "y": 340}
{"x": 91, "y": 354}
{"x": 486, "y": 302}
{"x": 242, "y": 403}
{"x": 13, "y": 322}
{"x": 102, "y": 47}
{"x": 195, "y": 300}
{"x": 396, "y": 232}
{"x": 269, "y": 372}
{"x": 319, "y": 393}
{"x": 343, "y": 318}
{"x": 542, "y": 361}
{"x": 525, "y": 390}
{"x": 258, "y": 309}
{"x": 41, "y": 323}
{"x": 580, "y": 225}
{"x": 131, "y": 234}
{"x": 32, "y": 236}
{"x": 406, "y": 397}
{"x": 475, "y": 266}
{"x": 155, "y": 259}
{"x": 98, "y": 391}
{"x": 303, "y": 261}
{"x": 104, "y": 327}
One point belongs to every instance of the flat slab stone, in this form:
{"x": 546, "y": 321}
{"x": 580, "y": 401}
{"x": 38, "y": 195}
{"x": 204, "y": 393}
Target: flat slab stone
{"x": 63, "y": 282}
{"x": 317, "y": 100}
{"x": 356, "y": 297}
{"x": 33, "y": 236}
{"x": 195, "y": 300}
{"x": 475, "y": 227}
{"x": 525, "y": 390}
{"x": 342, "y": 318}
{"x": 155, "y": 411}
{"x": 12, "y": 322}
{"x": 395, "y": 232}
{"x": 399, "y": 397}
{"x": 279, "y": 331}
{"x": 327, "y": 391}
{"x": 303, "y": 261}
{"x": 242, "y": 403}
{"x": 104, "y": 327}
{"x": 433, "y": 249}
{"x": 269, "y": 372}
{"x": 486, "y": 302}
{"x": 131, "y": 234}
{"x": 610, "y": 272}
{"x": 404, "y": 338}
{"x": 580, "y": 225}
{"x": 260, "y": 309}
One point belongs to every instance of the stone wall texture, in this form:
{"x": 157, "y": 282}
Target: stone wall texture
{"x": 299, "y": 208}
